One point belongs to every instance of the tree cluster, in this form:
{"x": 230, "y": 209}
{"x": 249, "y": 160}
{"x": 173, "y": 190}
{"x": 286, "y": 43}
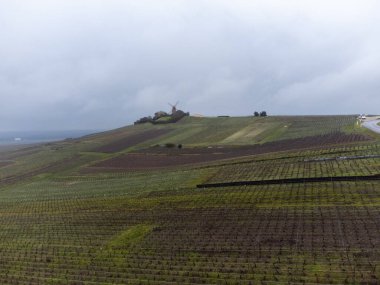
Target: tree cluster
{"x": 261, "y": 114}
{"x": 173, "y": 118}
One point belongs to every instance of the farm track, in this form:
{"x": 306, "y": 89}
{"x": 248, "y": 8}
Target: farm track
{"x": 373, "y": 126}
{"x": 290, "y": 181}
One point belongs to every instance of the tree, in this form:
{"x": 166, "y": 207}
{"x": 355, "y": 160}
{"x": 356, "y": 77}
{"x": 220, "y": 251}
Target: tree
{"x": 256, "y": 114}
{"x": 263, "y": 114}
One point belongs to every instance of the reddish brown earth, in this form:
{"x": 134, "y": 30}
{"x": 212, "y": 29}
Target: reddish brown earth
{"x": 148, "y": 161}
{"x": 130, "y": 141}
{"x": 160, "y": 157}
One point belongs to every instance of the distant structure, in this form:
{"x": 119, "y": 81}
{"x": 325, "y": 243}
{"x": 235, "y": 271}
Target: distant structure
{"x": 174, "y": 107}
{"x": 362, "y": 117}
{"x": 162, "y": 117}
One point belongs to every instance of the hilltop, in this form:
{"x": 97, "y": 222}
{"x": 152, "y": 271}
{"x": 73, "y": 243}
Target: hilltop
{"x": 243, "y": 200}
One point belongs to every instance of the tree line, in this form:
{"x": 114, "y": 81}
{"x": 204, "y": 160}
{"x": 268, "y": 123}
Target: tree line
{"x": 261, "y": 114}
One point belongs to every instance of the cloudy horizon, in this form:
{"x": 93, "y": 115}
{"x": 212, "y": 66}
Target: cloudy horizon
{"x": 91, "y": 64}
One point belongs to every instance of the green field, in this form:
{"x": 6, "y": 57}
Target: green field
{"x": 64, "y": 220}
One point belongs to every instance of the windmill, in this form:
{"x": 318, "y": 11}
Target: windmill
{"x": 174, "y": 107}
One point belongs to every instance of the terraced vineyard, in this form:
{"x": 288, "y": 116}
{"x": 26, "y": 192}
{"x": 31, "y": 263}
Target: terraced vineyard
{"x": 69, "y": 216}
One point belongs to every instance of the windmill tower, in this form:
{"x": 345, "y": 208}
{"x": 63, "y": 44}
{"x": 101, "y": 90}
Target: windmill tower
{"x": 174, "y": 107}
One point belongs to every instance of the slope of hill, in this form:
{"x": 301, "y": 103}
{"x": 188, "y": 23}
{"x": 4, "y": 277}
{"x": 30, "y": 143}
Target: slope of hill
{"x": 123, "y": 206}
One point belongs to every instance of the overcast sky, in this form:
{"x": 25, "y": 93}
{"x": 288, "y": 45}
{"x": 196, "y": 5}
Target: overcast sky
{"x": 91, "y": 64}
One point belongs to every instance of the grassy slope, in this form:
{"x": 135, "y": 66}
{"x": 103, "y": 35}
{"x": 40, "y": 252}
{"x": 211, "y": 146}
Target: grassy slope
{"x": 250, "y": 130}
{"x": 59, "y": 226}
{"x": 189, "y": 132}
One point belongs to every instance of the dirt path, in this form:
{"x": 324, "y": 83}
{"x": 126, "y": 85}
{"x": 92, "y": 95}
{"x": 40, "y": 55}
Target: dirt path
{"x": 372, "y": 125}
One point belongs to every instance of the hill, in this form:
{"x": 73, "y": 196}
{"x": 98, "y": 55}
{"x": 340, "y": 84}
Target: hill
{"x": 243, "y": 200}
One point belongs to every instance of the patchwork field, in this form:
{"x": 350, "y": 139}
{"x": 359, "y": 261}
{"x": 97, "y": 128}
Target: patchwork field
{"x": 121, "y": 207}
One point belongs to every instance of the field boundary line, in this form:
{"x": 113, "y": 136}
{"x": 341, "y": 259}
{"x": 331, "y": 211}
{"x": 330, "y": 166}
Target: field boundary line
{"x": 289, "y": 181}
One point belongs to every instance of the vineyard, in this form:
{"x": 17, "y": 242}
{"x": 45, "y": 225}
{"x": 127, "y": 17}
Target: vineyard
{"x": 161, "y": 157}
{"x": 300, "y": 167}
{"x": 121, "y": 208}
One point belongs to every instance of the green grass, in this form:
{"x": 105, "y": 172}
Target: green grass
{"x": 164, "y": 119}
{"x": 250, "y": 130}
{"x": 130, "y": 237}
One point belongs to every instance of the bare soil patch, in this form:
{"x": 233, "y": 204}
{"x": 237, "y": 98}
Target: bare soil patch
{"x": 5, "y": 163}
{"x": 161, "y": 157}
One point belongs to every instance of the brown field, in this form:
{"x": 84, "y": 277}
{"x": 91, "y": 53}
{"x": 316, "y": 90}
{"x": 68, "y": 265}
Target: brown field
{"x": 160, "y": 157}
{"x": 5, "y": 163}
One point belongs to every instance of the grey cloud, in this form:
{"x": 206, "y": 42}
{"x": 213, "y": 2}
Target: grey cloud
{"x": 102, "y": 64}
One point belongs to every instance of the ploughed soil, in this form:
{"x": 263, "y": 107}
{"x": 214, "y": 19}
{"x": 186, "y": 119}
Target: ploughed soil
{"x": 130, "y": 141}
{"x": 5, "y": 163}
{"x": 160, "y": 157}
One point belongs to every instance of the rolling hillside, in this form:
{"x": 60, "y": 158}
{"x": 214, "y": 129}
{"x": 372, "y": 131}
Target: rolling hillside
{"x": 243, "y": 200}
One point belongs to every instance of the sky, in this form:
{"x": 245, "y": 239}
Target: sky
{"x": 101, "y": 64}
